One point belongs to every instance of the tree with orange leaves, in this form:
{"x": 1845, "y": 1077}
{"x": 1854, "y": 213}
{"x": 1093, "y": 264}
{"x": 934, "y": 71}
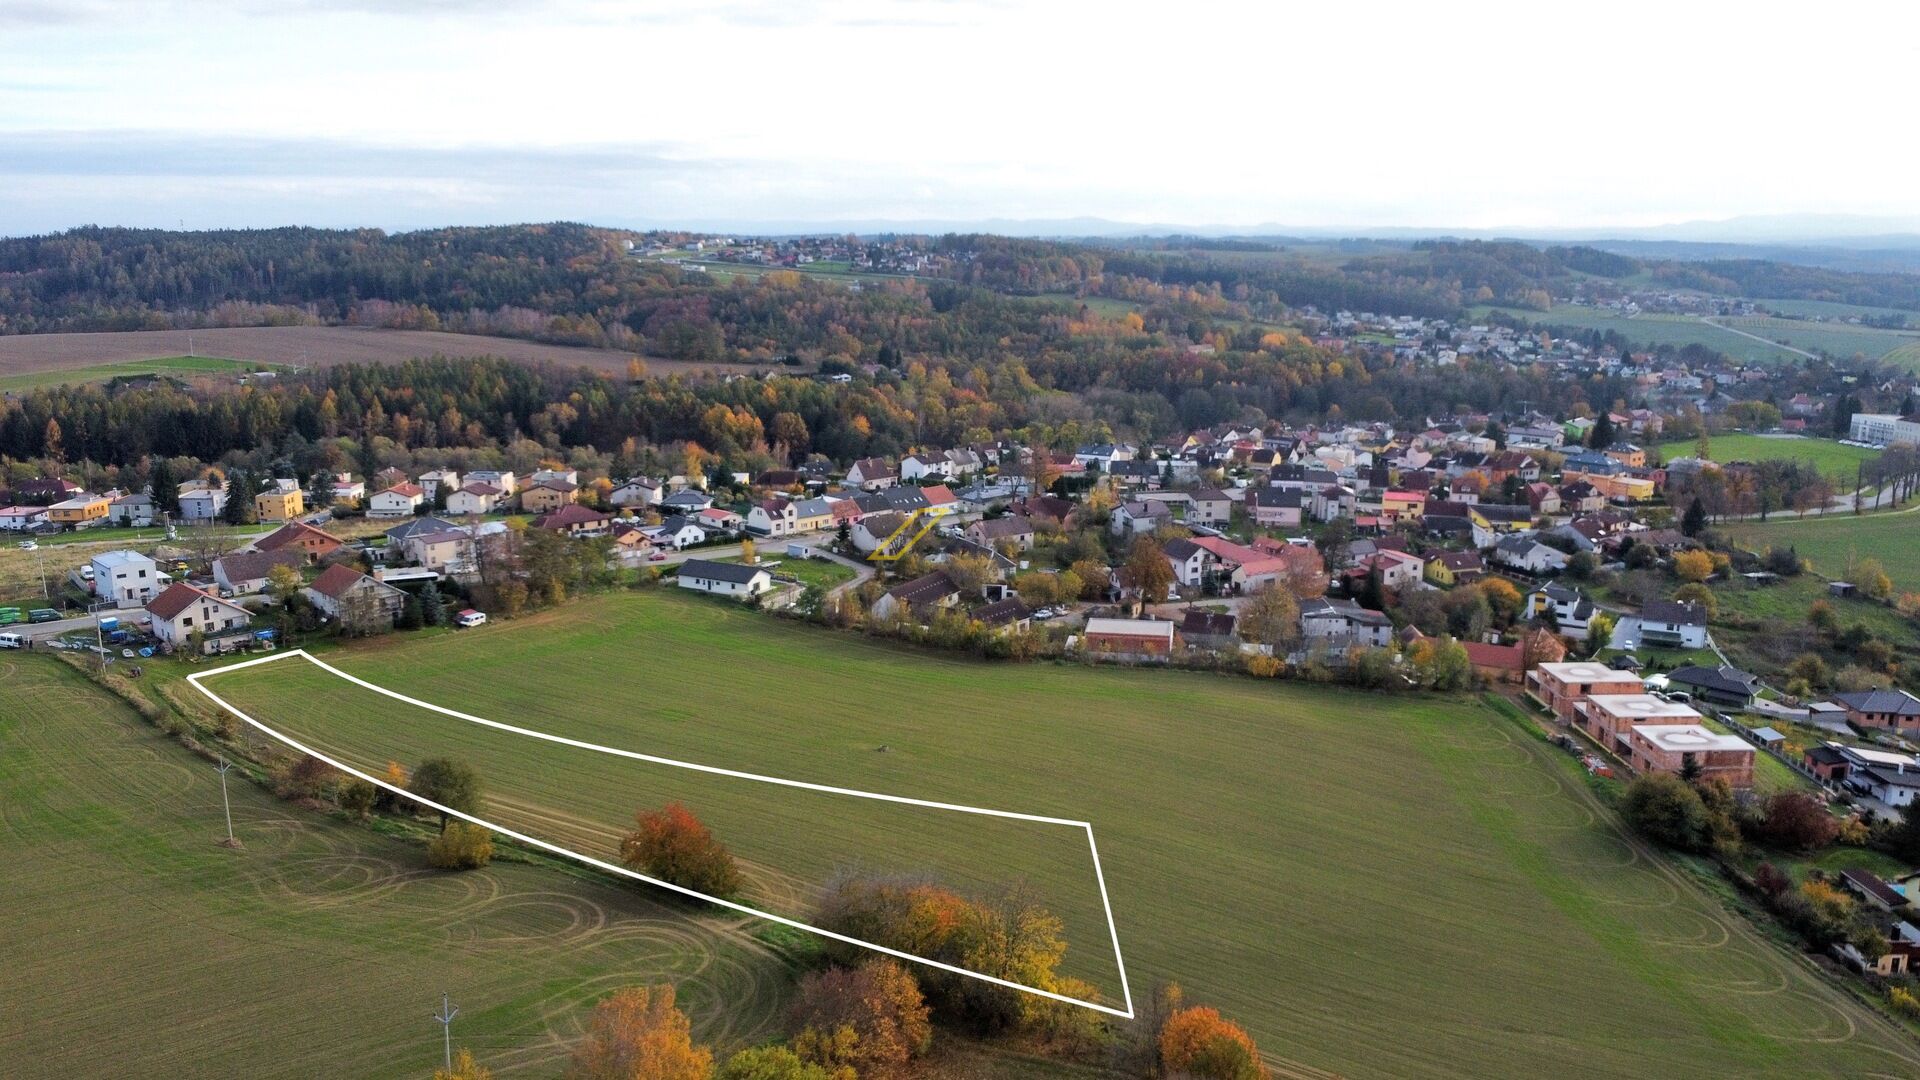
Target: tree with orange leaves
{"x": 878, "y": 1003}
{"x": 673, "y": 845}
{"x": 1199, "y": 1042}
{"x": 638, "y": 1034}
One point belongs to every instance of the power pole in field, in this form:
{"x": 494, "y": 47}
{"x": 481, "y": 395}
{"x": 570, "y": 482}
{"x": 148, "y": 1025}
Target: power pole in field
{"x": 225, "y": 767}
{"x": 448, "y": 1010}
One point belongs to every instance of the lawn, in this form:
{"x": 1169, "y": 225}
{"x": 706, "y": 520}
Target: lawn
{"x": 182, "y": 366}
{"x": 1374, "y": 885}
{"x": 1834, "y": 543}
{"x": 1831, "y": 458}
{"x": 821, "y": 572}
{"x": 136, "y": 946}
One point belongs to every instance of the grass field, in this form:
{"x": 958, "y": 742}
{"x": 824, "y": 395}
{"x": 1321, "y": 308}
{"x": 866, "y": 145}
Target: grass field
{"x": 1829, "y": 309}
{"x": 1831, "y": 458}
{"x": 1832, "y": 543}
{"x": 1376, "y": 886}
{"x": 1838, "y": 340}
{"x": 183, "y": 366}
{"x": 1654, "y": 330}
{"x": 137, "y": 946}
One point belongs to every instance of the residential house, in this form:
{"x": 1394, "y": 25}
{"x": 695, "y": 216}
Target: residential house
{"x": 1246, "y": 569}
{"x": 545, "y": 498}
{"x": 1208, "y": 629}
{"x": 872, "y": 474}
{"x": 1012, "y": 530}
{"x": 502, "y": 479}
{"x": 282, "y": 502}
{"x": 246, "y": 572}
{"x": 724, "y": 579}
{"x": 82, "y": 511}
{"x": 1873, "y": 891}
{"x": 1610, "y": 718}
{"x": 555, "y": 476}
{"x": 1046, "y": 508}
{"x": 906, "y": 500}
{"x": 1896, "y": 784}
{"x": 1135, "y": 518}
{"x": 1128, "y": 639}
{"x": 344, "y": 489}
{"x": 1008, "y": 615}
{"x": 1526, "y": 554}
{"x": 313, "y": 544}
{"x": 1497, "y": 663}
{"x": 641, "y": 491}
{"x": 1451, "y": 568}
{"x": 400, "y": 536}
{"x": 434, "y": 481}
{"x": 686, "y": 502}
{"x": 449, "y": 551}
{"x": 919, "y": 466}
{"x": 134, "y": 510}
{"x": 22, "y": 518}
{"x": 474, "y": 498}
{"x": 1398, "y": 569}
{"x": 919, "y": 598}
{"x": 877, "y": 530}
{"x": 575, "y": 520}
{"x": 1724, "y": 685}
{"x": 1562, "y": 686}
{"x": 1892, "y": 710}
{"x": 1672, "y": 624}
{"x": 1192, "y": 564}
{"x": 1566, "y": 609}
{"x": 360, "y": 603}
{"x": 1341, "y": 624}
{"x": 1403, "y": 505}
{"x": 677, "y": 532}
{"x": 127, "y": 578}
{"x": 1543, "y": 500}
{"x": 1275, "y": 508}
{"x": 1679, "y": 749}
{"x": 716, "y": 519}
{"x": 400, "y": 500}
{"x": 181, "y": 611}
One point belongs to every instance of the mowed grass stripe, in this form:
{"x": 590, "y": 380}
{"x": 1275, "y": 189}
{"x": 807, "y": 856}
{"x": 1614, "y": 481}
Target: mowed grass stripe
{"x": 1374, "y": 885}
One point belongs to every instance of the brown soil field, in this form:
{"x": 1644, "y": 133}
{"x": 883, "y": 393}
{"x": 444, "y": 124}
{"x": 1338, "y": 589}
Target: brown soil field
{"x": 300, "y": 346}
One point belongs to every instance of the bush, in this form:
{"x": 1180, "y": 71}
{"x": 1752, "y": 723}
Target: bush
{"x": 1198, "y": 1042}
{"x": 462, "y": 845}
{"x": 671, "y": 844}
{"x": 306, "y": 777}
{"x": 1693, "y": 566}
{"x": 1263, "y": 667}
{"x": 1667, "y": 810}
{"x": 878, "y": 1002}
{"x": 777, "y": 1063}
{"x": 1904, "y": 1003}
{"x": 1797, "y": 821}
{"x": 638, "y": 1032}
{"x": 356, "y": 797}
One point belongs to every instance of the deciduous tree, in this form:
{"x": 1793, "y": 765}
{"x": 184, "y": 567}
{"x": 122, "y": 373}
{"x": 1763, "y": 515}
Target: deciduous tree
{"x": 673, "y": 845}
{"x": 638, "y": 1034}
{"x": 450, "y": 782}
{"x": 1191, "y": 1041}
{"x": 879, "y": 1002}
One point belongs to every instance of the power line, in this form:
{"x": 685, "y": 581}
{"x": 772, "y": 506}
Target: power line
{"x": 225, "y": 767}
{"x": 448, "y": 1010}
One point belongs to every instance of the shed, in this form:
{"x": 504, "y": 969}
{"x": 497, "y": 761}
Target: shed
{"x": 1768, "y": 737}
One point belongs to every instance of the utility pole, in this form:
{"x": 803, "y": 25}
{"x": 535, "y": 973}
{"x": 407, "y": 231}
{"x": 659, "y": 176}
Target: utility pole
{"x": 448, "y": 1010}
{"x": 225, "y": 767}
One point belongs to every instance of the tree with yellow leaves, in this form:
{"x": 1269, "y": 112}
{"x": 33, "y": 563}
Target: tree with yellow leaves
{"x": 464, "y": 1068}
{"x": 638, "y": 1034}
{"x": 1693, "y": 566}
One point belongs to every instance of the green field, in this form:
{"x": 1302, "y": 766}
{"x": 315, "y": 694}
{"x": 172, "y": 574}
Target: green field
{"x": 1833, "y": 543}
{"x": 1829, "y": 457}
{"x": 184, "y": 366}
{"x": 1831, "y": 310}
{"x": 1653, "y": 330}
{"x": 1838, "y": 340}
{"x": 1375, "y": 886}
{"x": 136, "y": 946}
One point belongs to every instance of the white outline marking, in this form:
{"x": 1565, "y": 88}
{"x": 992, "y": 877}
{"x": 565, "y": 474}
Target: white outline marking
{"x": 1098, "y": 874}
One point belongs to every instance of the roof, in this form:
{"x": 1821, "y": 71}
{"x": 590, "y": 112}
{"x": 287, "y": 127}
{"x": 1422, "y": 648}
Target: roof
{"x": 481, "y": 487}
{"x": 1460, "y": 560}
{"x": 1002, "y": 612}
{"x": 293, "y": 532}
{"x": 1675, "y": 612}
{"x": 1825, "y": 754}
{"x": 557, "y": 484}
{"x": 340, "y": 579}
{"x": 426, "y": 524}
{"x": 1724, "y": 678}
{"x": 1587, "y": 671}
{"x": 1690, "y": 738}
{"x": 570, "y": 514}
{"x": 1207, "y": 623}
{"x": 1182, "y": 549}
{"x": 1506, "y": 657}
{"x": 120, "y": 558}
{"x": 738, "y": 573}
{"x": 1641, "y": 707}
{"x": 180, "y": 596}
{"x": 1886, "y": 776}
{"x": 1897, "y": 702}
{"x": 1153, "y": 628}
{"x": 1003, "y": 527}
{"x": 924, "y": 589}
{"x": 407, "y": 489}
{"x": 1343, "y": 609}
{"x": 253, "y": 565}
{"x": 1872, "y": 885}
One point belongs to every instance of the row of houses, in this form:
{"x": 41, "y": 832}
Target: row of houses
{"x": 1649, "y": 733}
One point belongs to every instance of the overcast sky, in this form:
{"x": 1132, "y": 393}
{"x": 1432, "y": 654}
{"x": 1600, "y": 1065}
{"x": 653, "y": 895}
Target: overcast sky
{"x": 406, "y": 113}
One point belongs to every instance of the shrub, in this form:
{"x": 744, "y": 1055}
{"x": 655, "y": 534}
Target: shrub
{"x": 1264, "y": 667}
{"x": 1797, "y": 821}
{"x": 671, "y": 844}
{"x": 878, "y": 1002}
{"x": 356, "y": 797}
{"x": 1904, "y": 1003}
{"x": 461, "y": 845}
{"x": 306, "y": 777}
{"x": 1199, "y": 1042}
{"x": 777, "y": 1063}
{"x": 1693, "y": 566}
{"x": 638, "y": 1032}
{"x": 1667, "y": 809}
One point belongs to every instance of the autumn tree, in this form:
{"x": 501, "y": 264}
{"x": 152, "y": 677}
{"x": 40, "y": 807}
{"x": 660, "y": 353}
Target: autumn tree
{"x": 1270, "y": 616}
{"x": 638, "y": 1034}
{"x": 1094, "y": 576}
{"x": 1503, "y": 598}
{"x": 464, "y": 1068}
{"x": 1199, "y": 1042}
{"x": 778, "y": 1063}
{"x": 1692, "y": 565}
{"x": 1695, "y": 592}
{"x": 450, "y": 782}
{"x": 878, "y": 1002}
{"x": 1872, "y": 579}
{"x": 749, "y": 554}
{"x": 673, "y": 845}
{"x": 462, "y": 845}
{"x": 1147, "y": 570}
{"x": 282, "y": 582}
{"x": 1797, "y": 821}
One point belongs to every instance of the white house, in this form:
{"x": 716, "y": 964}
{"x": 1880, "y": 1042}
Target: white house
{"x": 1567, "y": 609}
{"x": 872, "y": 474}
{"x": 500, "y": 478}
{"x": 1134, "y": 518}
{"x": 127, "y": 578}
{"x": 134, "y": 510}
{"x": 1211, "y": 507}
{"x": 1341, "y": 624}
{"x": 638, "y": 491}
{"x": 346, "y": 489}
{"x": 180, "y": 611}
{"x": 1526, "y": 553}
{"x": 400, "y": 500}
{"x": 19, "y": 518}
{"x": 676, "y": 533}
{"x": 724, "y": 579}
{"x": 1191, "y": 562}
{"x": 246, "y": 571}
{"x": 475, "y": 498}
{"x": 920, "y": 466}
{"x": 202, "y": 504}
{"x": 1885, "y": 429}
{"x": 434, "y": 481}
{"x": 772, "y": 517}
{"x": 1674, "y": 624}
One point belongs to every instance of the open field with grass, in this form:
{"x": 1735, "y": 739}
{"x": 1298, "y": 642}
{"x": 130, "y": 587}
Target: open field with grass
{"x": 1828, "y": 309}
{"x": 185, "y": 367}
{"x": 1826, "y": 455}
{"x": 1833, "y": 543}
{"x": 1838, "y": 340}
{"x": 296, "y": 346}
{"x": 136, "y": 946}
{"x": 1374, "y": 885}
{"x": 1653, "y": 330}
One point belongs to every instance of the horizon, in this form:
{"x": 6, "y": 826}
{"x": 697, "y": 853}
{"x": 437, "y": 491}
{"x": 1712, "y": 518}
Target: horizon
{"x": 214, "y": 114}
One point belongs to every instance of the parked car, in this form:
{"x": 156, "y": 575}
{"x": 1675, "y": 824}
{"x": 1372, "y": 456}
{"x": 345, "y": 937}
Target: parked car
{"x": 658, "y": 556}
{"x": 28, "y": 545}
{"x": 470, "y": 618}
{"x": 10, "y": 615}
{"x": 13, "y": 641}
{"x": 45, "y": 614}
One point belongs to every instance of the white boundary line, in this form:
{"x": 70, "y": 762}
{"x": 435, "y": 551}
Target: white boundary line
{"x": 1099, "y": 875}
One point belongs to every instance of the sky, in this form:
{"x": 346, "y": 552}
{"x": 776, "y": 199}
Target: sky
{"x": 1471, "y": 115}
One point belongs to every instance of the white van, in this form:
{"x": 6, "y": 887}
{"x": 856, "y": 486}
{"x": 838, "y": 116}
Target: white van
{"x": 13, "y": 641}
{"x": 470, "y": 618}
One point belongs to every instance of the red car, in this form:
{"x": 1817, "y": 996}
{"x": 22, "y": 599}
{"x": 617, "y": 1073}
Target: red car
{"x": 658, "y": 556}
